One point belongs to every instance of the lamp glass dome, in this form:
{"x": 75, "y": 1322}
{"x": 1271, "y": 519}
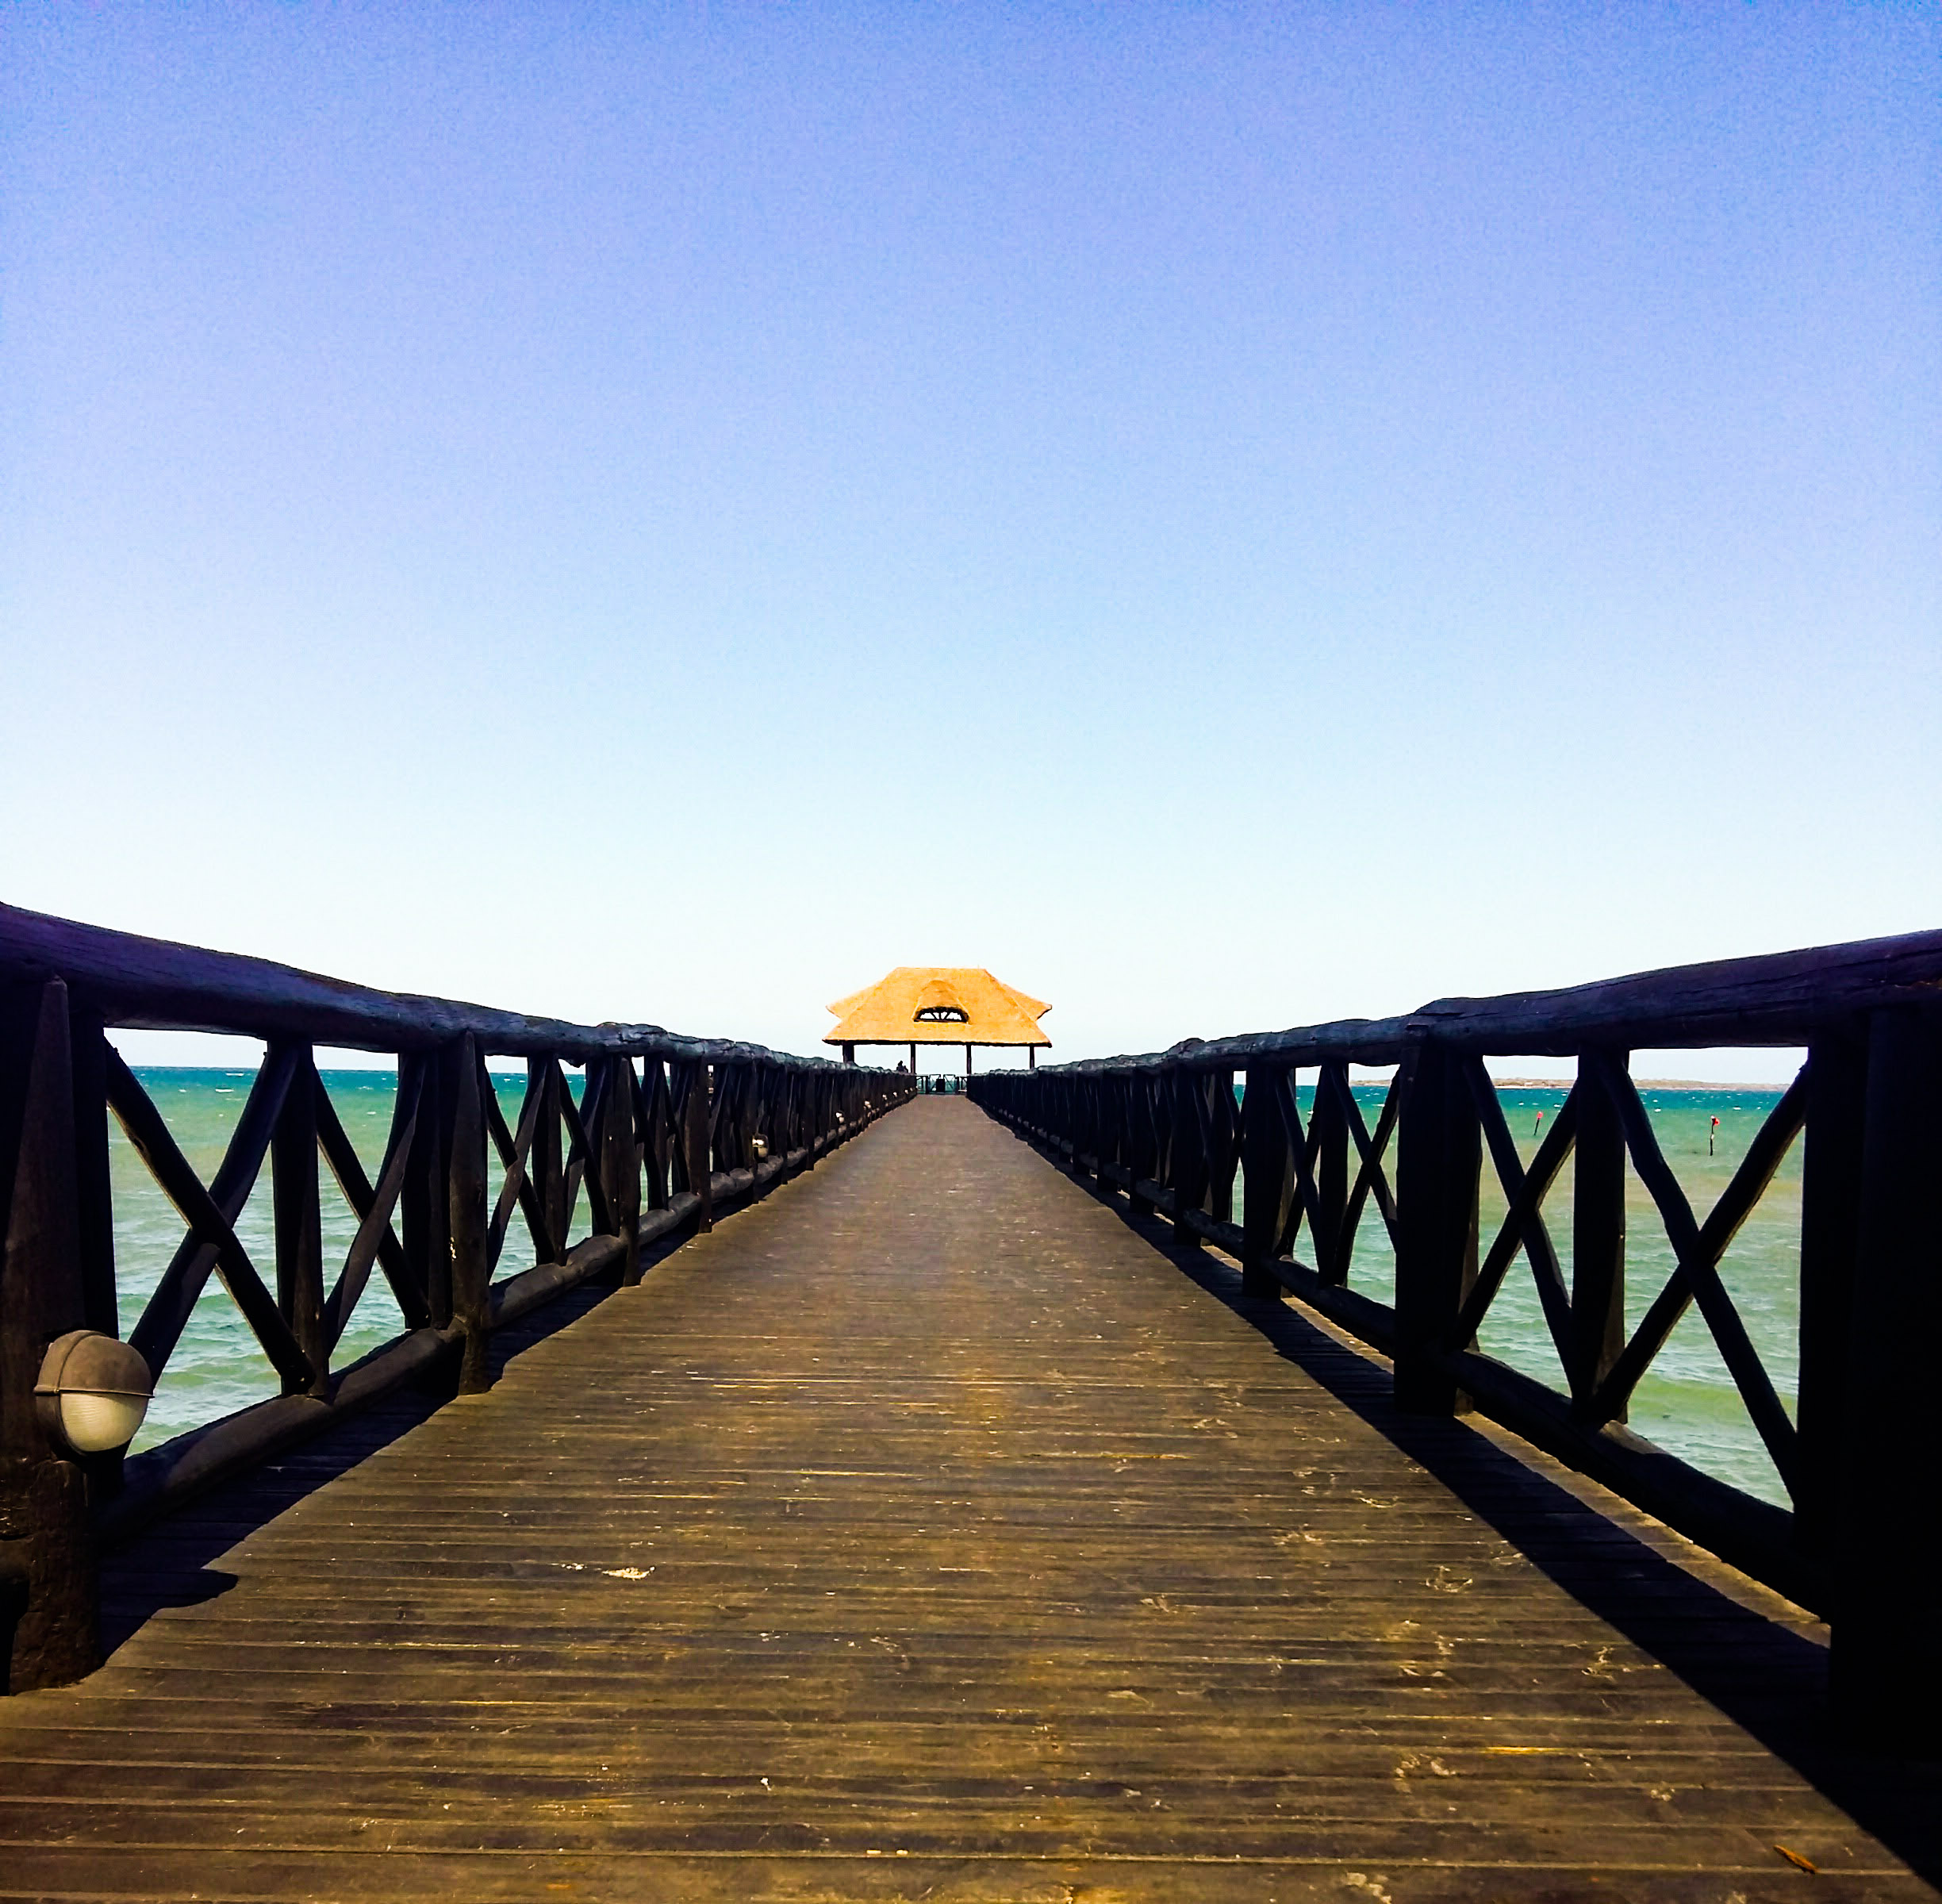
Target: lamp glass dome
{"x": 92, "y": 1424}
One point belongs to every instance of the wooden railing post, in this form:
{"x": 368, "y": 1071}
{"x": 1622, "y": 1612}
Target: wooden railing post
{"x": 1266, "y": 1179}
{"x": 94, "y": 1198}
{"x": 423, "y": 1203}
{"x": 1192, "y": 1160}
{"x": 1598, "y": 1229}
{"x": 299, "y": 1223}
{"x": 1830, "y": 1238}
{"x": 620, "y": 1164}
{"x": 549, "y": 1154}
{"x": 1106, "y": 1128}
{"x": 466, "y": 1218}
{"x": 48, "y": 1598}
{"x": 657, "y": 1132}
{"x": 699, "y": 1140}
{"x": 1223, "y": 1151}
{"x": 1886, "y": 1661}
{"x": 1438, "y": 1171}
{"x": 1329, "y": 1131}
{"x": 1142, "y": 1140}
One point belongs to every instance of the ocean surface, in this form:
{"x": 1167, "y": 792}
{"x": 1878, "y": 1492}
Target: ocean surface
{"x": 217, "y": 1367}
{"x": 1687, "y": 1402}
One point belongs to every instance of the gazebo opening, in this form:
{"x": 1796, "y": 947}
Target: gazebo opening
{"x": 938, "y": 1004}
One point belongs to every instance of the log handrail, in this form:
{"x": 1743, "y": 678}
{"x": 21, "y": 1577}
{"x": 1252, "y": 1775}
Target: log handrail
{"x": 157, "y": 984}
{"x": 1774, "y": 998}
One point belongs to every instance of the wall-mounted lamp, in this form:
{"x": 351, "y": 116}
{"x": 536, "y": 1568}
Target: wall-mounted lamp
{"x": 92, "y": 1392}
{"x": 760, "y": 1146}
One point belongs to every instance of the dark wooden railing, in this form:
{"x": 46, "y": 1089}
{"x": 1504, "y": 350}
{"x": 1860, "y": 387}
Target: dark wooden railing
{"x": 666, "y": 1131}
{"x": 1860, "y": 1454}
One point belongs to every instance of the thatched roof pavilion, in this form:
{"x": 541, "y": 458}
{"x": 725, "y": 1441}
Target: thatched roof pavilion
{"x": 939, "y": 1005}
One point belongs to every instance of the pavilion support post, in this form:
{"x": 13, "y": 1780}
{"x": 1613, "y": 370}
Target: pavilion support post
{"x": 913, "y": 1057}
{"x": 848, "y": 1054}
{"x": 967, "y": 1063}
{"x": 1031, "y": 1058}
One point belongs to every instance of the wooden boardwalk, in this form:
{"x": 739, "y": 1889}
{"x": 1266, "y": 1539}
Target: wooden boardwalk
{"x": 928, "y": 1531}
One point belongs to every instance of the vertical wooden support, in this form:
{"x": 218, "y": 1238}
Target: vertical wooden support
{"x": 93, "y": 1193}
{"x": 1223, "y": 1148}
{"x": 1106, "y": 1129}
{"x": 725, "y": 1083}
{"x": 49, "y": 1629}
{"x": 546, "y": 1167}
{"x": 657, "y": 1135}
{"x": 1328, "y": 1129}
{"x": 1078, "y": 1124}
{"x": 1438, "y": 1172}
{"x": 560, "y": 1199}
{"x": 1142, "y": 1146}
{"x": 1597, "y": 1228}
{"x": 1267, "y": 1180}
{"x": 299, "y": 1223}
{"x": 623, "y": 1170}
{"x": 1886, "y": 1661}
{"x": 701, "y": 1166}
{"x": 1830, "y": 1238}
{"x": 681, "y": 1082}
{"x": 1187, "y": 1173}
{"x": 422, "y": 1203}
{"x": 466, "y": 1212}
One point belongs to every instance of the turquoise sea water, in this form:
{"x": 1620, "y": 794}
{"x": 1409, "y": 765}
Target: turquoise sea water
{"x": 1687, "y": 1402}
{"x": 217, "y": 1367}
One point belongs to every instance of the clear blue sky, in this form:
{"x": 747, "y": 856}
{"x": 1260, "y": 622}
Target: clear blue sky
{"x": 1229, "y": 516}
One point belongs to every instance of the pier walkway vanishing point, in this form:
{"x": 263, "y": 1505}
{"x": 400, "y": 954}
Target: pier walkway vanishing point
{"x": 936, "y": 1529}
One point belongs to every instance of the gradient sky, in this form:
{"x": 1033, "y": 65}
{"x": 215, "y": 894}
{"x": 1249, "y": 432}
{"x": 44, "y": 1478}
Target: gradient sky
{"x": 1230, "y": 516}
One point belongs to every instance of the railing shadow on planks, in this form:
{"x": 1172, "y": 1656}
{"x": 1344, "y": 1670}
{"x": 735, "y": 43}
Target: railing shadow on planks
{"x": 666, "y": 1132}
{"x": 1861, "y": 1453}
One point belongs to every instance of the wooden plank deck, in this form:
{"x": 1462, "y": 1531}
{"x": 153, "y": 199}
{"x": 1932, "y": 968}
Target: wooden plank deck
{"x": 928, "y": 1531}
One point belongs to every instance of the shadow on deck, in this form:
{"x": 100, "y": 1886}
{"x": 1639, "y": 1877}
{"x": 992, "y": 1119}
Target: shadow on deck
{"x": 1758, "y": 1658}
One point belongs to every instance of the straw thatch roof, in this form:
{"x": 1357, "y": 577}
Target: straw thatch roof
{"x": 939, "y": 1005}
